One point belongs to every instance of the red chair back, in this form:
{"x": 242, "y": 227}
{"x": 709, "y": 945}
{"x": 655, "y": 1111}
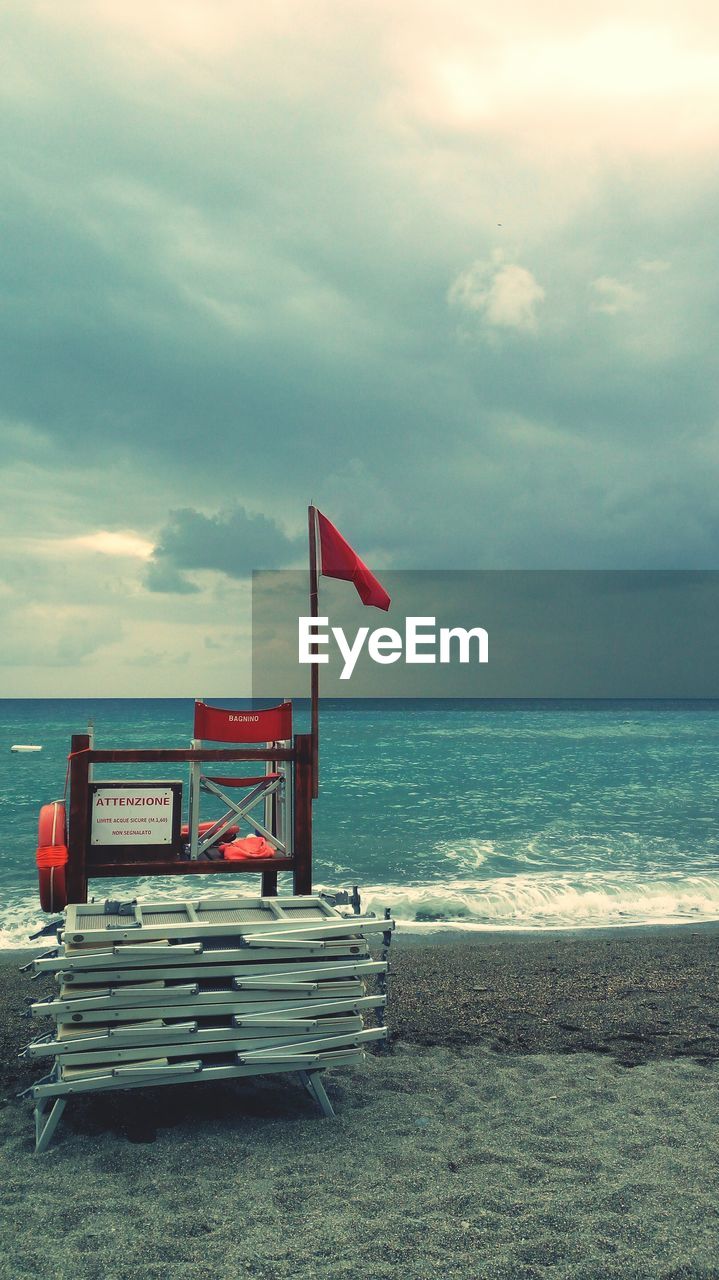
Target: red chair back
{"x": 218, "y": 724}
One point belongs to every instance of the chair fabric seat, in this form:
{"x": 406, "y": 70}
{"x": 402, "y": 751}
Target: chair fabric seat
{"x": 242, "y": 782}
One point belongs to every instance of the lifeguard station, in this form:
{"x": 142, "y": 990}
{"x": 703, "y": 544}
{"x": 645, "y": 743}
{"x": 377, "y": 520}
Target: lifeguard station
{"x": 143, "y": 832}
{"x": 203, "y": 989}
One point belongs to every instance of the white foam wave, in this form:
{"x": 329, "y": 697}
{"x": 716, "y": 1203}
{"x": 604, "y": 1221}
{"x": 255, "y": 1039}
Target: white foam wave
{"x": 520, "y": 902}
{"x": 536, "y": 901}
{"x": 470, "y": 853}
{"x": 18, "y": 920}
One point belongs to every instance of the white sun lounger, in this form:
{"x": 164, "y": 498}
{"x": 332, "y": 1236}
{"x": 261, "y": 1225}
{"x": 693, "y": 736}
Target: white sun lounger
{"x": 71, "y": 1038}
{"x": 224, "y": 1040}
{"x": 51, "y": 1094}
{"x": 95, "y": 1008}
{"x": 116, "y": 977}
{"x": 258, "y": 975}
{"x": 277, "y": 921}
{"x": 165, "y": 955}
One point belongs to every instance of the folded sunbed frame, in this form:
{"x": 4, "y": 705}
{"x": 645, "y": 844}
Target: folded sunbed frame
{"x": 213, "y": 989}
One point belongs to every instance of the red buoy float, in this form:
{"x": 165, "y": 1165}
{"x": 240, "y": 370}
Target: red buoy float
{"x": 51, "y": 856}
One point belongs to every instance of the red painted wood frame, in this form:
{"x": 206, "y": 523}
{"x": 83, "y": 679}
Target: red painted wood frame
{"x": 82, "y": 865}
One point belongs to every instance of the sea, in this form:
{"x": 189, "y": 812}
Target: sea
{"x": 472, "y": 815}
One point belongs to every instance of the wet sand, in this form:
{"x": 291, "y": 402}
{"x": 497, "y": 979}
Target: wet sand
{"x": 637, "y": 994}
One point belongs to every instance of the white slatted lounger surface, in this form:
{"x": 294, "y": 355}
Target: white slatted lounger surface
{"x": 84, "y": 1080}
{"x": 208, "y": 989}
{"x": 343, "y": 967}
{"x": 280, "y": 920}
{"x": 224, "y": 1000}
{"x": 70, "y": 1040}
{"x": 346, "y": 1031}
{"x": 78, "y": 1048}
{"x": 166, "y": 954}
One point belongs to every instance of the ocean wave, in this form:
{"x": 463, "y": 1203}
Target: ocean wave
{"x": 521, "y": 902}
{"x": 537, "y": 901}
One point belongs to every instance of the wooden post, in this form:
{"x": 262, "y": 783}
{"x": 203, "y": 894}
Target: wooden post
{"x": 78, "y": 835}
{"x": 302, "y": 875}
{"x": 269, "y": 884}
{"x": 314, "y": 666}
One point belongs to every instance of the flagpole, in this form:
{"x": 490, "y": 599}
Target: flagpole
{"x": 314, "y": 666}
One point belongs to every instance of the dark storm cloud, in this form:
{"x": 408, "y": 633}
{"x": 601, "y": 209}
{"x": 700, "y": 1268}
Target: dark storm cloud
{"x": 232, "y": 542}
{"x": 162, "y": 576}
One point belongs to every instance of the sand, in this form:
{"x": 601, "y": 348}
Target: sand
{"x": 488, "y": 1143}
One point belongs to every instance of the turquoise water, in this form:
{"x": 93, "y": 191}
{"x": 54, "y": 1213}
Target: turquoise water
{"x": 483, "y": 815}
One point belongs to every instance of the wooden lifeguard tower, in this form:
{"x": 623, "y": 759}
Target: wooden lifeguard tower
{"x": 286, "y": 818}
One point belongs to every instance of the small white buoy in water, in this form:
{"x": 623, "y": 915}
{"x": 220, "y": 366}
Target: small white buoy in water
{"x": 22, "y": 746}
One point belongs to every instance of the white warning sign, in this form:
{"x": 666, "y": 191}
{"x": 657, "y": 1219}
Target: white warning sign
{"x": 132, "y": 815}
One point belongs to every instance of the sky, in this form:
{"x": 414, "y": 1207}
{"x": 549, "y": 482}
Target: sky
{"x": 447, "y": 270}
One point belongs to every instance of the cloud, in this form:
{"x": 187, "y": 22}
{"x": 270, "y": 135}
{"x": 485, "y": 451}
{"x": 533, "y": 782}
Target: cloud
{"x": 151, "y": 659}
{"x": 655, "y": 266}
{"x": 614, "y": 296}
{"x": 569, "y": 83}
{"x": 233, "y": 542}
{"x": 43, "y": 636}
{"x": 162, "y": 576}
{"x": 109, "y": 543}
{"x": 504, "y": 295}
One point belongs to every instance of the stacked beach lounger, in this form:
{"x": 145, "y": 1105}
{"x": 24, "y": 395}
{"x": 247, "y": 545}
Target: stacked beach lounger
{"x": 215, "y": 989}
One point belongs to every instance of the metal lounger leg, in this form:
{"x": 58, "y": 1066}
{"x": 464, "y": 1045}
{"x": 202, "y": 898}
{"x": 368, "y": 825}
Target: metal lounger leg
{"x": 312, "y": 1080}
{"x": 382, "y": 978}
{"x": 48, "y": 1114}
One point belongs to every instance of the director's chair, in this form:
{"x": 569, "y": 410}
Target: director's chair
{"x": 271, "y": 790}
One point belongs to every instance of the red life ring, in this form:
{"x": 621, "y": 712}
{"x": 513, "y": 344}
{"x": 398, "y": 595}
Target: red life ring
{"x": 51, "y": 856}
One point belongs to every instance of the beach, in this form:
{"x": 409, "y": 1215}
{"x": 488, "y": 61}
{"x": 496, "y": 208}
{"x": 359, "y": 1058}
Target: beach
{"x": 548, "y": 1108}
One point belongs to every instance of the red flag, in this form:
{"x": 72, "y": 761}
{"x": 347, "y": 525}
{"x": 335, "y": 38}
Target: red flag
{"x": 338, "y": 560}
